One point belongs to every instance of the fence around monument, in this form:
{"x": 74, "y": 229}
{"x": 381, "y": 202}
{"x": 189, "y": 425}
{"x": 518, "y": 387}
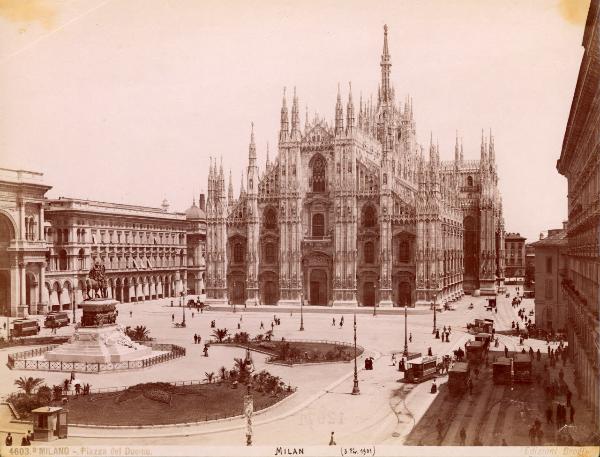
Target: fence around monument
{"x": 24, "y": 360}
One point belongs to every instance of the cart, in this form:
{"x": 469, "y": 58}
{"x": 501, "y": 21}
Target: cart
{"x": 522, "y": 368}
{"x": 458, "y": 378}
{"x": 420, "y": 369}
{"x": 475, "y": 351}
{"x": 502, "y": 370}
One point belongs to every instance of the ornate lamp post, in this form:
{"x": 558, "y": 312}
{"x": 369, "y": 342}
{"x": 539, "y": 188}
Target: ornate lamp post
{"x": 434, "y": 313}
{"x": 248, "y": 410}
{"x": 375, "y": 304}
{"x": 355, "y": 389}
{"x": 405, "y": 353}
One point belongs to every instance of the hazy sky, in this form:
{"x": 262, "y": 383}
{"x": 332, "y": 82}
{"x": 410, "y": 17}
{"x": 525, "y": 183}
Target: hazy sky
{"x": 125, "y": 100}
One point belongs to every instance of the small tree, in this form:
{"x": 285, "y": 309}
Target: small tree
{"x": 28, "y": 384}
{"x": 57, "y": 392}
{"x": 220, "y": 334}
{"x": 242, "y": 368}
{"x": 209, "y": 376}
{"x": 269, "y": 335}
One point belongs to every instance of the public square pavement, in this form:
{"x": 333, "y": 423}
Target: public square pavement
{"x": 385, "y": 411}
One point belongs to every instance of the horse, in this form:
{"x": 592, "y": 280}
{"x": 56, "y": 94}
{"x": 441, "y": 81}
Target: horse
{"x": 99, "y": 288}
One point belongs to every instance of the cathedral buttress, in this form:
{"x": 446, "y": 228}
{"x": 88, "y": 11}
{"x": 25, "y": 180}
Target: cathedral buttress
{"x": 252, "y": 226}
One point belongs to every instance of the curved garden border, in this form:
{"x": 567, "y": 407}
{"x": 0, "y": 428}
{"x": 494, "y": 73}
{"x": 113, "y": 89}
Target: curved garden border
{"x": 291, "y": 364}
{"x": 23, "y": 361}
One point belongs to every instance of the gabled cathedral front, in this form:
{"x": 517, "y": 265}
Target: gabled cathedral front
{"x": 355, "y": 214}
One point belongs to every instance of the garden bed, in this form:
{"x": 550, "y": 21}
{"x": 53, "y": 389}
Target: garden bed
{"x": 299, "y": 352}
{"x": 162, "y": 403}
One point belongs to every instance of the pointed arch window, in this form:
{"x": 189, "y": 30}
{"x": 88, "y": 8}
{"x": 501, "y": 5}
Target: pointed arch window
{"x": 404, "y": 251}
{"x": 470, "y": 181}
{"x": 318, "y": 225}
{"x": 270, "y": 253}
{"x": 369, "y": 218}
{"x": 270, "y": 219}
{"x": 238, "y": 253}
{"x": 369, "y": 251}
{"x": 319, "y": 171}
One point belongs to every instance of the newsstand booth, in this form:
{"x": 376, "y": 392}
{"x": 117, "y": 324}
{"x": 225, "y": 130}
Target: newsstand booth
{"x": 458, "y": 377}
{"x": 502, "y": 370}
{"x": 522, "y": 368}
{"x": 475, "y": 351}
{"x": 420, "y": 369}
{"x": 49, "y": 423}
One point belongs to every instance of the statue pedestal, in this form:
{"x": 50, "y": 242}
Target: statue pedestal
{"x": 102, "y": 343}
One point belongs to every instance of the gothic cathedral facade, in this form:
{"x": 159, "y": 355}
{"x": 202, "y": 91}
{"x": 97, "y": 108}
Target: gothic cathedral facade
{"x": 356, "y": 214}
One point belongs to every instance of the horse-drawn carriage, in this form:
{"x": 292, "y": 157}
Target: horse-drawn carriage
{"x": 502, "y": 370}
{"x": 475, "y": 351}
{"x": 522, "y": 368}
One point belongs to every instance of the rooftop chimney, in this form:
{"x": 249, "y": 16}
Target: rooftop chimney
{"x": 202, "y": 202}
{"x": 165, "y": 205}
{"x": 541, "y": 235}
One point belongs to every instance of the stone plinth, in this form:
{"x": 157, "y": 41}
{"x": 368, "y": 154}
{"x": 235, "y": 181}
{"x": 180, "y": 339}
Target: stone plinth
{"x": 105, "y": 342}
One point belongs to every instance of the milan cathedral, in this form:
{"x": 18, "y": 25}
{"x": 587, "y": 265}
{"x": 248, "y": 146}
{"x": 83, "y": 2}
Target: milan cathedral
{"x": 356, "y": 214}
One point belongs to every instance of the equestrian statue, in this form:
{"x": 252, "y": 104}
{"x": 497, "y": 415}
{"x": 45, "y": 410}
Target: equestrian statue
{"x": 97, "y": 281}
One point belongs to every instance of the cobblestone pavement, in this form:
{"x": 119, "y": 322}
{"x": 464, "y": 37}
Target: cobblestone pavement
{"x": 385, "y": 412}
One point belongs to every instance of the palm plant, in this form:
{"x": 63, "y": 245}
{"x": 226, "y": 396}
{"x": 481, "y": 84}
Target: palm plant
{"x": 209, "y": 376}
{"x": 220, "y": 334}
{"x": 269, "y": 335}
{"x": 242, "y": 368}
{"x": 44, "y": 394}
{"x": 223, "y": 372}
{"x": 27, "y": 385}
{"x": 140, "y": 333}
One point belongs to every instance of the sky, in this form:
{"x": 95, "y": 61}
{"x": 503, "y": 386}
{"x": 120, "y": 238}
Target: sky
{"x": 124, "y": 101}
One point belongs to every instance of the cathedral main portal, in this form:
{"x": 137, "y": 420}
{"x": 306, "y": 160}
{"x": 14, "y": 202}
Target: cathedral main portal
{"x": 318, "y": 287}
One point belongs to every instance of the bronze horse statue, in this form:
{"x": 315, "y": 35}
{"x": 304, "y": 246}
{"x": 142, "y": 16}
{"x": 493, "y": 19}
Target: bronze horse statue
{"x": 97, "y": 281}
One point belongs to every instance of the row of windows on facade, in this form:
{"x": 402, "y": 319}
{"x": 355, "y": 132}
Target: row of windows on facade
{"x": 83, "y": 262}
{"x": 60, "y": 236}
{"x": 270, "y": 252}
{"x": 30, "y": 228}
{"x": 114, "y": 224}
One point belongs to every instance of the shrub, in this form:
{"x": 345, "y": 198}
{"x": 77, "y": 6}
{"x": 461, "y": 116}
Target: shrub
{"x": 57, "y": 392}
{"x": 44, "y": 395}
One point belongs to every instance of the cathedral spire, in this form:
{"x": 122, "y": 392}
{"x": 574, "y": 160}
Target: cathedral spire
{"x": 386, "y": 63}
{"x": 242, "y": 191}
{"x": 483, "y": 148}
{"x": 295, "y": 132}
{"x": 462, "y": 157}
{"x": 350, "y": 111}
{"x": 252, "y": 147}
{"x": 230, "y": 190}
{"x": 284, "y": 127}
{"x": 268, "y": 164}
{"x": 456, "y": 149}
{"x": 491, "y": 150}
{"x": 339, "y": 114}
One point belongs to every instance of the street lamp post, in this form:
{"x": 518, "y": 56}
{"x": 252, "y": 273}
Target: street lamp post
{"x": 355, "y": 389}
{"x": 301, "y": 311}
{"x": 375, "y": 303}
{"x": 434, "y": 313}
{"x": 405, "y": 353}
{"x": 248, "y": 412}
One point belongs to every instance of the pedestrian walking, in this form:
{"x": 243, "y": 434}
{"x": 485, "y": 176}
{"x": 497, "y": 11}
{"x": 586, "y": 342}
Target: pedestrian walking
{"x": 470, "y": 384}
{"x": 332, "y": 440}
{"x": 333, "y": 322}
{"x": 532, "y": 435}
{"x": 8, "y": 440}
{"x": 410, "y": 337}
{"x": 172, "y": 317}
{"x": 130, "y": 313}
{"x": 195, "y": 339}
{"x": 262, "y": 326}
{"x": 463, "y": 436}
{"x": 238, "y": 325}
{"x": 569, "y": 395}
{"x": 429, "y": 353}
{"x": 394, "y": 359}
{"x": 192, "y": 314}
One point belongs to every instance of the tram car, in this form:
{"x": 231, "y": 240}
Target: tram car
{"x": 522, "y": 368}
{"x": 420, "y": 369}
{"x": 25, "y": 327}
{"x": 475, "y": 351}
{"x": 458, "y": 378}
{"x": 502, "y": 370}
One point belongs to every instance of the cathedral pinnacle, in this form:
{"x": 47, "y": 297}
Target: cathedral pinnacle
{"x": 283, "y": 130}
{"x": 252, "y": 147}
{"x": 295, "y": 132}
{"x": 350, "y": 111}
{"x": 339, "y": 113}
{"x": 386, "y": 63}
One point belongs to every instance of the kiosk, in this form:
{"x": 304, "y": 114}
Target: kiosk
{"x": 502, "y": 370}
{"x": 49, "y": 423}
{"x": 458, "y": 377}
